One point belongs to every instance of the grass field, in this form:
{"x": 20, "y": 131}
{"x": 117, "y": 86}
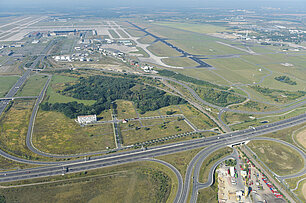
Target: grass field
{"x": 57, "y": 82}
{"x": 180, "y": 160}
{"x": 6, "y": 165}
{"x": 125, "y": 109}
{"x": 113, "y": 33}
{"x": 210, "y": 161}
{"x": 122, "y": 34}
{"x": 55, "y": 133}
{"x": 13, "y": 129}
{"x": 278, "y": 157}
{"x": 33, "y": 86}
{"x": 134, "y": 32}
{"x": 180, "y": 62}
{"x": 162, "y": 50}
{"x": 136, "y": 182}
{"x": 146, "y": 39}
{"x": 301, "y": 137}
{"x": 209, "y": 194}
{"x": 6, "y": 83}
{"x": 133, "y": 132}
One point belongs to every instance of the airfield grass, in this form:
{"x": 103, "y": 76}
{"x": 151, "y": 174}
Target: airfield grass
{"x": 278, "y": 157}
{"x": 6, "y": 83}
{"x": 146, "y": 39}
{"x": 33, "y": 86}
{"x": 180, "y": 62}
{"x": 199, "y": 27}
{"x": 180, "y": 160}
{"x": 210, "y": 161}
{"x": 58, "y": 82}
{"x": 122, "y": 33}
{"x": 162, "y": 50}
{"x": 134, "y": 182}
{"x": 134, "y": 32}
{"x": 56, "y": 133}
{"x": 133, "y": 132}
{"x": 113, "y": 33}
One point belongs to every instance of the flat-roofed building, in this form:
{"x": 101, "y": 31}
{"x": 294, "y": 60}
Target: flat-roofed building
{"x": 87, "y": 119}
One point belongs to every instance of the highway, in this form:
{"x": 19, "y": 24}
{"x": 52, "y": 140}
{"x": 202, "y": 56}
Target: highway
{"x": 57, "y": 168}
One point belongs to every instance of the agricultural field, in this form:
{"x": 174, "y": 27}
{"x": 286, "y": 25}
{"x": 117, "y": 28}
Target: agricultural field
{"x": 56, "y": 133}
{"x": 33, "y": 86}
{"x": 6, "y": 83}
{"x": 279, "y": 158}
{"x": 135, "y": 182}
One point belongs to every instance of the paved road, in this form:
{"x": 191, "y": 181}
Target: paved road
{"x": 137, "y": 155}
{"x": 178, "y": 176}
{"x": 13, "y": 91}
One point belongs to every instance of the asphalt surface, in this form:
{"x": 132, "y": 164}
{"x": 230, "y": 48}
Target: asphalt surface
{"x": 201, "y": 63}
{"x": 57, "y": 168}
{"x": 178, "y": 176}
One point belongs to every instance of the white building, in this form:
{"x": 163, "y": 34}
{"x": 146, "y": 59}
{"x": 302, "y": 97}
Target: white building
{"x": 87, "y": 119}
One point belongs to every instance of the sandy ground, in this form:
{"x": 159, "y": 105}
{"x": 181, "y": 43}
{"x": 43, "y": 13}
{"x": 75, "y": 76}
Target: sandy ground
{"x": 304, "y": 190}
{"x": 301, "y": 138}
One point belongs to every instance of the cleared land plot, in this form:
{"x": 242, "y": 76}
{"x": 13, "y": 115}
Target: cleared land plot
{"x": 136, "y": 182}
{"x": 162, "y": 50}
{"x": 278, "y": 157}
{"x": 133, "y": 132}
{"x": 33, "y": 86}
{"x": 55, "y": 133}
{"x": 180, "y": 62}
{"x": 200, "y": 28}
{"x": 58, "y": 82}
{"x": 6, "y": 83}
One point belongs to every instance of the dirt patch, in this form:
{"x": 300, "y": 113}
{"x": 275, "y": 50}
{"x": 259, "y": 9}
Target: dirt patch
{"x": 304, "y": 190}
{"x": 301, "y": 138}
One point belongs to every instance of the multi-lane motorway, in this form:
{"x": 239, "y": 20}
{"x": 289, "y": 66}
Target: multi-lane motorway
{"x": 57, "y": 168}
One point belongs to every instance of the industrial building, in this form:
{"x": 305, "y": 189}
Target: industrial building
{"x": 87, "y": 119}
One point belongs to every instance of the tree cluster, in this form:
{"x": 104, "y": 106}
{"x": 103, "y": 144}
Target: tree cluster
{"x": 285, "y": 79}
{"x": 106, "y": 90}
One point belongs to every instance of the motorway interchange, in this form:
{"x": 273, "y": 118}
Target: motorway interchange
{"x": 100, "y": 159}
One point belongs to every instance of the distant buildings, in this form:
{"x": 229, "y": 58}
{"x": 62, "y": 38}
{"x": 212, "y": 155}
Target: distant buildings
{"x": 87, "y": 119}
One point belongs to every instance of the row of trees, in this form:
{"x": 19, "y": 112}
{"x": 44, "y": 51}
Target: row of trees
{"x": 105, "y": 90}
{"x": 185, "y": 78}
